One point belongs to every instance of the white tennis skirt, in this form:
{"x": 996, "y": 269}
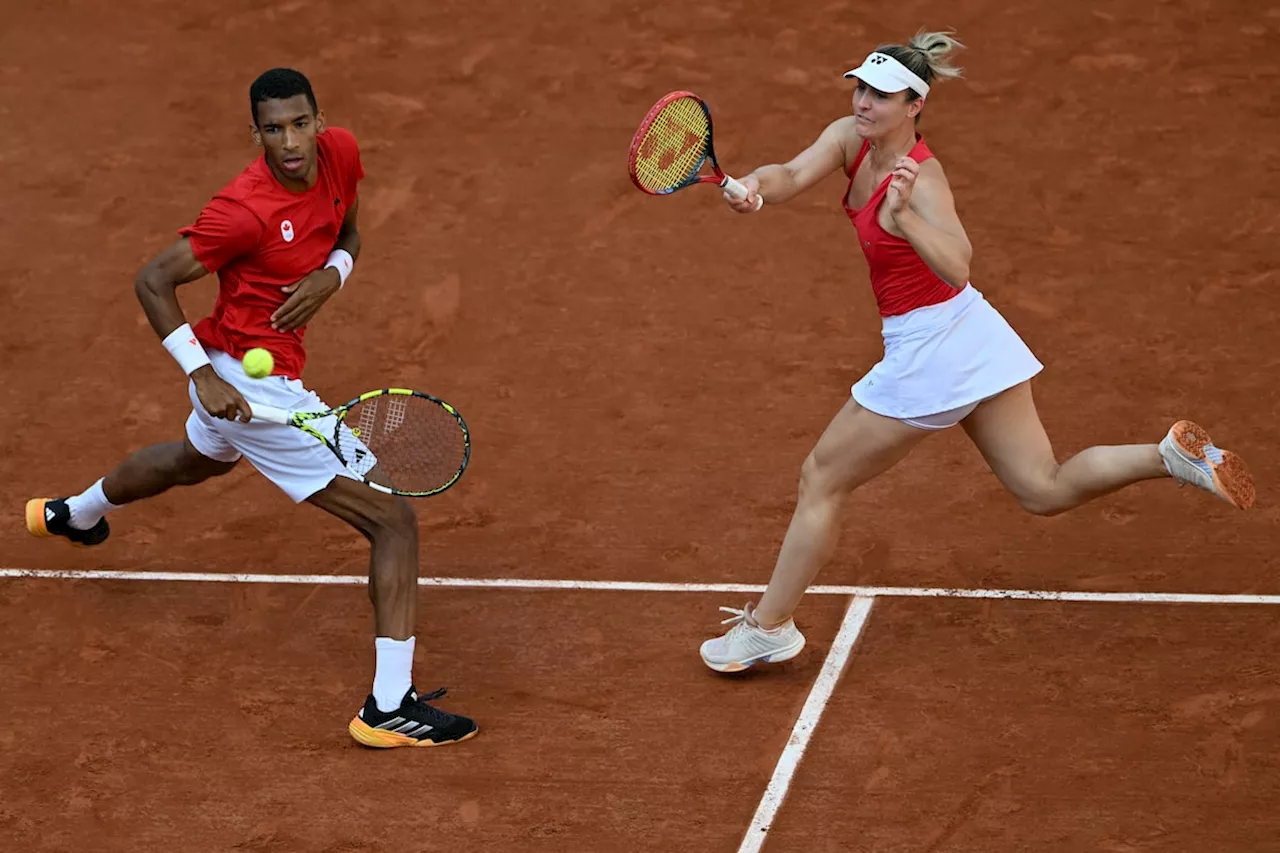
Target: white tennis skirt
{"x": 944, "y": 357}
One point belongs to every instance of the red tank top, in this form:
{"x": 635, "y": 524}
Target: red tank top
{"x": 900, "y": 278}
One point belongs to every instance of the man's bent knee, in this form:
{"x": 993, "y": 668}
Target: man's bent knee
{"x": 387, "y": 517}
{"x": 194, "y": 467}
{"x": 377, "y": 515}
{"x": 397, "y": 518}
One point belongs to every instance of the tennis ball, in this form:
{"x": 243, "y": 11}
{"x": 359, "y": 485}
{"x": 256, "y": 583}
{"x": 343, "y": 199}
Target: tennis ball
{"x": 258, "y": 363}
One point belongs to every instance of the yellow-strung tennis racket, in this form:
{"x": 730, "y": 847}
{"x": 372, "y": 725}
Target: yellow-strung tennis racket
{"x": 395, "y": 440}
{"x": 672, "y": 144}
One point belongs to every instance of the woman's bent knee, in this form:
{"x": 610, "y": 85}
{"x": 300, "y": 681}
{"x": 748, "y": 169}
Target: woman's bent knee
{"x": 1042, "y": 501}
{"x": 818, "y": 481}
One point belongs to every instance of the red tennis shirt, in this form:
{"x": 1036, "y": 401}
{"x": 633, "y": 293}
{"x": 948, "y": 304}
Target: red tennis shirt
{"x": 258, "y": 236}
{"x": 900, "y": 278}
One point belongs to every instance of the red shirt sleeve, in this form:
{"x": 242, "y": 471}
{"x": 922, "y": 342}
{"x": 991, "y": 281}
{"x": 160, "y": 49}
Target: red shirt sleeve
{"x": 224, "y": 230}
{"x": 347, "y": 153}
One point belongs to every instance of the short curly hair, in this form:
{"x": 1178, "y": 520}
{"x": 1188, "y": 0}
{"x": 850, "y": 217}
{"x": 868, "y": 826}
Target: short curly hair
{"x": 280, "y": 83}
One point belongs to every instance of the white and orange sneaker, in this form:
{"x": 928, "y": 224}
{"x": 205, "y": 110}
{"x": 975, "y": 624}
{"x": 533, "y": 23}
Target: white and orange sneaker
{"x": 1190, "y": 456}
{"x": 746, "y": 643}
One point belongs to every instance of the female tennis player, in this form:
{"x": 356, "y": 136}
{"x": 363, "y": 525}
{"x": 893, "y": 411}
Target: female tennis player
{"x": 949, "y": 357}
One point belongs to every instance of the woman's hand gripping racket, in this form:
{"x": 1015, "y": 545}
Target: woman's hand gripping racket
{"x": 672, "y": 144}
{"x": 395, "y": 440}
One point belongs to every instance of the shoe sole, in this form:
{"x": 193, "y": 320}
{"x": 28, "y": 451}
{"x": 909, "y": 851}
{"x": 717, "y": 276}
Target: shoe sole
{"x": 772, "y": 657}
{"x": 367, "y": 735}
{"x": 1230, "y": 475}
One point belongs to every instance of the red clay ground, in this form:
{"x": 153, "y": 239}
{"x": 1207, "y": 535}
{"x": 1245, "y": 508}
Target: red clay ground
{"x": 213, "y": 717}
{"x": 643, "y": 376}
{"x": 1146, "y": 728}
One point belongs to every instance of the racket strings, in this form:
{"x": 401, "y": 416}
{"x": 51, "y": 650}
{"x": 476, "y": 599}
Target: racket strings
{"x": 403, "y": 442}
{"x": 674, "y": 146}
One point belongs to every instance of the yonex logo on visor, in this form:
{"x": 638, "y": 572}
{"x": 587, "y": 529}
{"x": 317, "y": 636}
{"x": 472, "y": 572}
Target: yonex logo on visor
{"x": 881, "y": 71}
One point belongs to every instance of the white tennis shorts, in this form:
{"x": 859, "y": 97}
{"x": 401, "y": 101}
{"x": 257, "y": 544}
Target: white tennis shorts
{"x": 296, "y": 462}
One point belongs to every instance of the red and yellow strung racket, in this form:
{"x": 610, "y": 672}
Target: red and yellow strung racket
{"x": 672, "y": 144}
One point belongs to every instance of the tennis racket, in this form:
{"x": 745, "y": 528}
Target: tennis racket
{"x": 395, "y": 440}
{"x": 671, "y": 146}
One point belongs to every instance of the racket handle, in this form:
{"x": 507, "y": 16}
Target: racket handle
{"x": 738, "y": 191}
{"x": 269, "y": 414}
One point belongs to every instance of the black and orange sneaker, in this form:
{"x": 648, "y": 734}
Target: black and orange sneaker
{"x": 414, "y": 723}
{"x": 52, "y": 517}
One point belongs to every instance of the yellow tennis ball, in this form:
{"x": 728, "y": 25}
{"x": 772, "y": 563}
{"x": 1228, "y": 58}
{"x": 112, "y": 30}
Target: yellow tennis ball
{"x": 258, "y": 363}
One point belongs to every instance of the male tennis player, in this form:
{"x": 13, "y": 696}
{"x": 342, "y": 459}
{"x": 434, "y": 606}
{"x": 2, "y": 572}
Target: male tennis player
{"x": 282, "y": 238}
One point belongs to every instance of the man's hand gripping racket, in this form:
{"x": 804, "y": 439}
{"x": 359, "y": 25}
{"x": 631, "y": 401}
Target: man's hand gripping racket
{"x": 395, "y": 440}
{"x": 672, "y": 144}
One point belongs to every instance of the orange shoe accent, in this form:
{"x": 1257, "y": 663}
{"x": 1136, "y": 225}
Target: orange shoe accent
{"x": 366, "y": 734}
{"x": 35, "y": 517}
{"x": 1230, "y": 476}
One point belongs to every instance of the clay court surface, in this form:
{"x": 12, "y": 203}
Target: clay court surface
{"x": 643, "y": 378}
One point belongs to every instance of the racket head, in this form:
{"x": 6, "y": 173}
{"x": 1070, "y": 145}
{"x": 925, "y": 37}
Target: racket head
{"x": 401, "y": 441}
{"x": 671, "y": 144}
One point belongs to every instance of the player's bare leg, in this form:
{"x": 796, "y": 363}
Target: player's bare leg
{"x": 391, "y": 526}
{"x": 1008, "y": 432}
{"x": 857, "y": 446}
{"x": 144, "y": 474}
{"x": 158, "y": 468}
{"x": 394, "y": 714}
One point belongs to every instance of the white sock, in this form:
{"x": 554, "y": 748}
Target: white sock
{"x": 393, "y": 672}
{"x": 89, "y": 506}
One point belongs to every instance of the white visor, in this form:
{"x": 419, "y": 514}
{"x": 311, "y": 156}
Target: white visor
{"x": 883, "y": 72}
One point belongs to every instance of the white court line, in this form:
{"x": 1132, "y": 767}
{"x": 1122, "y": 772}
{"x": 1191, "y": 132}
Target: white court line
{"x": 644, "y": 586}
{"x": 776, "y": 791}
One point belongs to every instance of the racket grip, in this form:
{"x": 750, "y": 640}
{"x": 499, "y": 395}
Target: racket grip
{"x": 738, "y": 191}
{"x": 269, "y": 414}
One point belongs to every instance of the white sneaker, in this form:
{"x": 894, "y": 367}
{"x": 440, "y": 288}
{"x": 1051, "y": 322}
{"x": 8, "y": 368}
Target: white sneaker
{"x": 1190, "y": 457}
{"x": 746, "y": 643}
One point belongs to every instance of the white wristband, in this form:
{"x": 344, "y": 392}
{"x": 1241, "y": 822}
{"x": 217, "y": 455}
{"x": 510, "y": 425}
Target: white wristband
{"x": 185, "y": 349}
{"x": 341, "y": 260}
